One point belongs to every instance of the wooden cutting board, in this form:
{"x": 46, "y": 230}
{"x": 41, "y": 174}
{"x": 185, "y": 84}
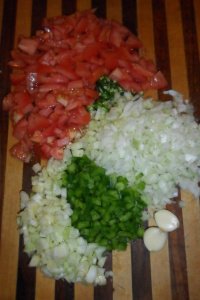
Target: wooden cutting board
{"x": 170, "y": 31}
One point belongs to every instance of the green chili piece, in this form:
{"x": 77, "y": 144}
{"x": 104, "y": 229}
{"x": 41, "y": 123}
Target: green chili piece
{"x": 106, "y": 209}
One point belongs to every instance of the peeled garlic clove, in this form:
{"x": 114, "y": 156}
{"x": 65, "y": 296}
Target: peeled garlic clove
{"x": 154, "y": 238}
{"x": 166, "y": 220}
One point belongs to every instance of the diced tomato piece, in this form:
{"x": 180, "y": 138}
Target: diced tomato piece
{"x": 147, "y": 64}
{"x": 131, "y": 86}
{"x": 89, "y": 39}
{"x": 69, "y": 73}
{"x": 90, "y": 93}
{"x": 17, "y": 78}
{"x": 41, "y": 68}
{"x": 104, "y": 35}
{"x": 52, "y": 78}
{"x": 28, "y": 45}
{"x": 46, "y": 111}
{"x": 37, "y": 122}
{"x": 63, "y": 120}
{"x": 81, "y": 26}
{"x": 21, "y": 151}
{"x": 37, "y": 137}
{"x": 36, "y": 152}
{"x": 17, "y": 64}
{"x": 20, "y": 129}
{"x": 138, "y": 78}
{"x": 23, "y": 102}
{"x": 116, "y": 37}
{"x": 59, "y": 133}
{"x": 126, "y": 54}
{"x": 141, "y": 70}
{"x": 158, "y": 81}
{"x": 45, "y": 151}
{"x": 79, "y": 116}
{"x": 22, "y": 59}
{"x": 57, "y": 152}
{"x": 90, "y": 51}
{"x": 133, "y": 42}
{"x": 79, "y": 47}
{"x": 62, "y": 142}
{"x": 97, "y": 73}
{"x": 49, "y": 131}
{"x": 120, "y": 74}
{"x": 73, "y": 103}
{"x": 116, "y": 74}
{"x": 48, "y": 87}
{"x": 8, "y": 101}
{"x": 58, "y": 111}
{"x": 111, "y": 59}
{"x": 67, "y": 70}
{"x": 48, "y": 58}
{"x": 96, "y": 61}
{"x": 83, "y": 70}
{"x": 75, "y": 84}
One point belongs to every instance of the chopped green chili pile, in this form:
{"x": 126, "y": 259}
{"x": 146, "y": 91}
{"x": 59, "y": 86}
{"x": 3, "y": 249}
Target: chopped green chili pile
{"x": 106, "y": 210}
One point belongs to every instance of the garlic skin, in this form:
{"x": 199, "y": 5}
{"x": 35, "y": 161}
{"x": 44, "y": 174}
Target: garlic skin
{"x": 166, "y": 220}
{"x": 154, "y": 238}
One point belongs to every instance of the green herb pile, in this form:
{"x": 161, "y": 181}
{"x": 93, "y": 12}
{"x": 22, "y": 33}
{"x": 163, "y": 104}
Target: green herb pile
{"x": 107, "y": 89}
{"x": 106, "y": 210}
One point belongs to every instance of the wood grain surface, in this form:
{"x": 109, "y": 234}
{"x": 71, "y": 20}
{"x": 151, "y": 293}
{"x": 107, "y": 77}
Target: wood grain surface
{"x": 170, "y": 31}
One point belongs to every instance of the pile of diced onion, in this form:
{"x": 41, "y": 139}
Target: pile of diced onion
{"x": 157, "y": 139}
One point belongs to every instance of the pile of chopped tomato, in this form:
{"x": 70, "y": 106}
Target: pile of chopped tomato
{"x": 54, "y": 76}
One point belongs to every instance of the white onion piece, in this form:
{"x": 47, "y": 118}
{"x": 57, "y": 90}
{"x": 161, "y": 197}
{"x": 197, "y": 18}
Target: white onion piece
{"x": 166, "y": 220}
{"x": 91, "y": 275}
{"x": 37, "y": 168}
{"x": 154, "y": 238}
{"x": 24, "y": 199}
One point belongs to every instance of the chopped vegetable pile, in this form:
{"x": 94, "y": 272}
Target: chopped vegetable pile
{"x": 106, "y": 210}
{"x": 54, "y": 245}
{"x": 81, "y": 79}
{"x": 54, "y": 79}
{"x": 157, "y": 139}
{"x": 149, "y": 146}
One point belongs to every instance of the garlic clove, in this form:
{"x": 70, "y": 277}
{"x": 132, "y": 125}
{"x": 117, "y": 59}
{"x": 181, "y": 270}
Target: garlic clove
{"x": 154, "y": 238}
{"x": 166, "y": 220}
